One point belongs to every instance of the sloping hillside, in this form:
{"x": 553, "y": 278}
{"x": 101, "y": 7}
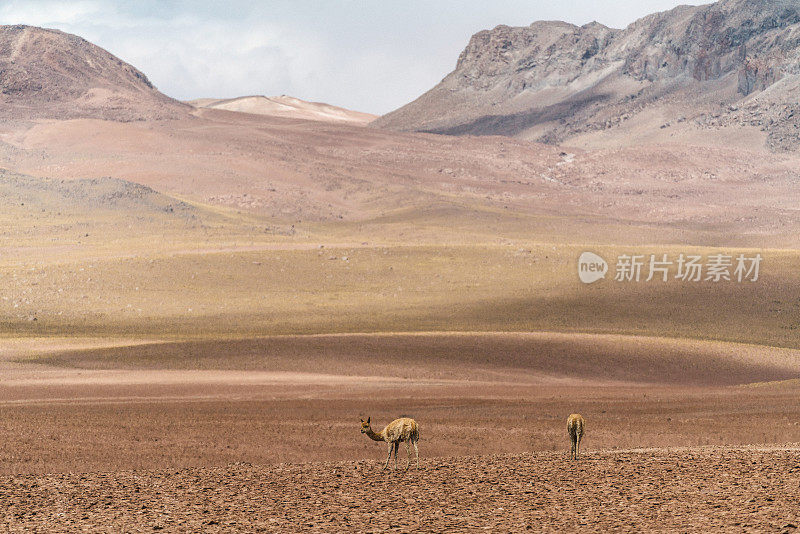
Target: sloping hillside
{"x": 51, "y": 74}
{"x": 735, "y": 63}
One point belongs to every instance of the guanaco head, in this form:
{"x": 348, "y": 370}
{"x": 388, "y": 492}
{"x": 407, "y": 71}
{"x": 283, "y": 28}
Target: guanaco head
{"x": 365, "y": 425}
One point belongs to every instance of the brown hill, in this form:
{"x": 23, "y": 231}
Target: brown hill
{"x": 89, "y": 195}
{"x": 50, "y": 74}
{"x": 694, "y": 68}
{"x": 294, "y": 170}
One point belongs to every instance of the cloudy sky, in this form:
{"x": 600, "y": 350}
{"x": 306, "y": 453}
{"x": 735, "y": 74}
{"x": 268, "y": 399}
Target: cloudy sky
{"x": 367, "y": 55}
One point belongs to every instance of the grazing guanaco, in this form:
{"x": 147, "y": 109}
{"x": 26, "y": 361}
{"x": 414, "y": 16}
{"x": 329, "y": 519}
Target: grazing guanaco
{"x": 575, "y": 427}
{"x": 403, "y": 429}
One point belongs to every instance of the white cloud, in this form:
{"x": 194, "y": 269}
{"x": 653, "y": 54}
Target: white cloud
{"x": 48, "y": 12}
{"x": 370, "y": 56}
{"x": 187, "y": 56}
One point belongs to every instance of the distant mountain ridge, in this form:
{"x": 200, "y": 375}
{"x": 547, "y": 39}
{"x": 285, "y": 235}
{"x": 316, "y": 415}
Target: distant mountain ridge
{"x": 286, "y": 106}
{"x": 51, "y": 74}
{"x": 735, "y": 62}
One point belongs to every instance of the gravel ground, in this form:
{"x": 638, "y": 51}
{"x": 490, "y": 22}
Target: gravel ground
{"x": 663, "y": 490}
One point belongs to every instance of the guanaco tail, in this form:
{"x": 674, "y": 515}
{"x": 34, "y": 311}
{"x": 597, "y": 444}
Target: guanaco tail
{"x": 575, "y": 427}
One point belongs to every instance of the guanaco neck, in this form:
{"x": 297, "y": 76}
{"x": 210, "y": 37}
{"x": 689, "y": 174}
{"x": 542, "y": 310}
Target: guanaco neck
{"x": 373, "y": 436}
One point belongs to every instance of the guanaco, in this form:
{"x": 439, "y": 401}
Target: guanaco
{"x": 575, "y": 426}
{"x": 403, "y": 429}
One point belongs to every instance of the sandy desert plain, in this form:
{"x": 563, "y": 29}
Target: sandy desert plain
{"x": 174, "y": 358}
{"x": 197, "y": 307}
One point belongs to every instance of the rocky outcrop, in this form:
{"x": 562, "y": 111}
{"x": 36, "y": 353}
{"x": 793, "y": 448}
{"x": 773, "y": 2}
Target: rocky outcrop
{"x": 552, "y": 80}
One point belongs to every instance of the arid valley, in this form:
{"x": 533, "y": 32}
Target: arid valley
{"x": 200, "y": 300}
